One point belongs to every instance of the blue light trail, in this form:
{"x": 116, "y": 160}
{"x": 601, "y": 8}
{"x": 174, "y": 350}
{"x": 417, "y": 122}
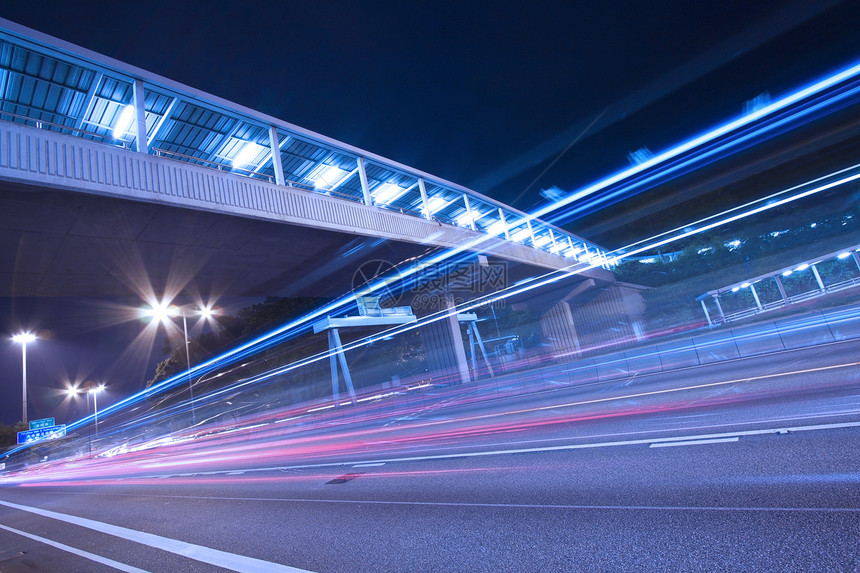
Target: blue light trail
{"x": 408, "y": 276}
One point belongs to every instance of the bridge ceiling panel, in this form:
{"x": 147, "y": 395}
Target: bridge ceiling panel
{"x": 34, "y": 85}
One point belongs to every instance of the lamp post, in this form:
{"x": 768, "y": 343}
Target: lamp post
{"x": 95, "y": 392}
{"x": 162, "y": 313}
{"x": 23, "y": 338}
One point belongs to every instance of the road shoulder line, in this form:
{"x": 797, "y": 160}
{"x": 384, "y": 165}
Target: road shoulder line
{"x": 74, "y": 550}
{"x": 208, "y": 555}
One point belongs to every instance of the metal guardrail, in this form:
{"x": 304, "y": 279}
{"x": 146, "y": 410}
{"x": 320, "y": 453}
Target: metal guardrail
{"x": 58, "y": 127}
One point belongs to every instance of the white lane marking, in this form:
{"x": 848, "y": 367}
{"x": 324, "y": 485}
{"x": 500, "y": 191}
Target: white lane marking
{"x": 208, "y": 555}
{"x": 510, "y": 505}
{"x": 693, "y": 442}
{"x": 553, "y": 448}
{"x": 76, "y": 551}
{"x": 782, "y": 419}
{"x": 234, "y": 473}
{"x": 369, "y": 465}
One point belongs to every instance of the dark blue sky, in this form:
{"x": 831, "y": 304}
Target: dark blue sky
{"x": 465, "y": 90}
{"x": 485, "y": 94}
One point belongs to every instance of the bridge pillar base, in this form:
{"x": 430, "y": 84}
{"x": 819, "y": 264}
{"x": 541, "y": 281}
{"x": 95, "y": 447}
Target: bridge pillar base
{"x": 444, "y": 350}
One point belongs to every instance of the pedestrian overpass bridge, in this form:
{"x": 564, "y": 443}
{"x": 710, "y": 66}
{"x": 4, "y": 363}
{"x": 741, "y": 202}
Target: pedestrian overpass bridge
{"x": 100, "y": 160}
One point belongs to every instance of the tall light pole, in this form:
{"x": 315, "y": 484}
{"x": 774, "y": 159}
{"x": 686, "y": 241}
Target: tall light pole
{"x": 162, "y": 313}
{"x": 23, "y": 338}
{"x": 95, "y": 392}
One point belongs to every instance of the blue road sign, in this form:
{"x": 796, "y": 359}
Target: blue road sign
{"x": 39, "y": 434}
{"x": 43, "y": 423}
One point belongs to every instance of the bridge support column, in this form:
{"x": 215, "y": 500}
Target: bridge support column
{"x": 613, "y": 315}
{"x": 559, "y": 329}
{"x": 444, "y": 350}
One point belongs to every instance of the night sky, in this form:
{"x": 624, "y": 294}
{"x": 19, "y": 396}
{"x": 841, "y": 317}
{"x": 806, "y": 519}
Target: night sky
{"x": 485, "y": 94}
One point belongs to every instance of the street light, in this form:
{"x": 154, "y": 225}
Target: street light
{"x": 95, "y": 392}
{"x": 23, "y": 338}
{"x": 162, "y": 312}
{"x": 73, "y": 391}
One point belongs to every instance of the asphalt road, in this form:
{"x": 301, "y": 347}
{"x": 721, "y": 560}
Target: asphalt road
{"x": 744, "y": 466}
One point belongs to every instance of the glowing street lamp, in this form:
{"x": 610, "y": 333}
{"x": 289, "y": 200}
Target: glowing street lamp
{"x": 23, "y": 338}
{"x": 163, "y": 312}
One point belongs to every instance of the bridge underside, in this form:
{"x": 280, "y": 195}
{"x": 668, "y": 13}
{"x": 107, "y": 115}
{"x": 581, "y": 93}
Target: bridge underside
{"x": 65, "y": 243}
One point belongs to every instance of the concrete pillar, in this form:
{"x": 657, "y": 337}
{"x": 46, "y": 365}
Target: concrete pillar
{"x": 276, "y": 156}
{"x": 444, "y": 350}
{"x": 559, "y": 330}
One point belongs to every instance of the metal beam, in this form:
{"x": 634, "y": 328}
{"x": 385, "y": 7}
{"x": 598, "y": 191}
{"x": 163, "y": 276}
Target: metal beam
{"x": 140, "y": 117}
{"x": 504, "y": 224}
{"x": 719, "y": 307}
{"x": 164, "y": 117}
{"x": 474, "y": 326}
{"x": 781, "y": 288}
{"x": 365, "y": 187}
{"x": 274, "y": 145}
{"x": 88, "y": 104}
{"x": 818, "y": 278}
{"x": 707, "y": 316}
{"x": 425, "y": 207}
{"x": 336, "y": 350}
{"x": 469, "y": 213}
{"x": 755, "y": 296}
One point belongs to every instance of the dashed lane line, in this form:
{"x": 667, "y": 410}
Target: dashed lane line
{"x": 693, "y": 442}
